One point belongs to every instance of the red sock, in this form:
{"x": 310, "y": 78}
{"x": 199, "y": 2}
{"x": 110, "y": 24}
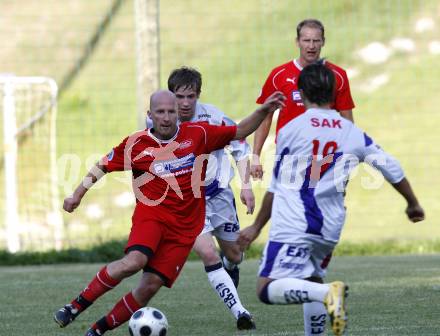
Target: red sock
{"x": 100, "y": 284}
{"x": 122, "y": 311}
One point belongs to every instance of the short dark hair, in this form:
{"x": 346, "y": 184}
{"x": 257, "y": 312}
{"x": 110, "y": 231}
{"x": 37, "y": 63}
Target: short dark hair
{"x": 185, "y": 77}
{"x": 317, "y": 83}
{"x": 311, "y": 23}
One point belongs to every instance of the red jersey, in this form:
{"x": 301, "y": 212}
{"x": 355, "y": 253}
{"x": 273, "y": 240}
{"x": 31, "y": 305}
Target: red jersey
{"x": 284, "y": 78}
{"x": 167, "y": 175}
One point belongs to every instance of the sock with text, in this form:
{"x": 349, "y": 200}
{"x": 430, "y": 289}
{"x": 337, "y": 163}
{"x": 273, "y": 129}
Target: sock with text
{"x": 315, "y": 316}
{"x": 222, "y": 283}
{"x": 293, "y": 291}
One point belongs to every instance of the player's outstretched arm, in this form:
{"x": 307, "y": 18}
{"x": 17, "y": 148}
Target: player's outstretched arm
{"x": 413, "y": 210}
{"x": 260, "y": 137}
{"x": 250, "y": 233}
{"x": 251, "y": 122}
{"x": 94, "y": 175}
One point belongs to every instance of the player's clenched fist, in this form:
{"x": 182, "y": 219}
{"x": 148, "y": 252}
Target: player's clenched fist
{"x": 71, "y": 203}
{"x": 415, "y": 213}
{"x": 275, "y": 101}
{"x": 247, "y": 236}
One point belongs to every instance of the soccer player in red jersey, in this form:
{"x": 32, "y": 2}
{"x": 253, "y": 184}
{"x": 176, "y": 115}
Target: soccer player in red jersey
{"x": 168, "y": 163}
{"x": 310, "y": 39}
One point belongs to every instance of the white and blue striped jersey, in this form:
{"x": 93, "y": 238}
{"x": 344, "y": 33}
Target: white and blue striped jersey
{"x": 315, "y": 153}
{"x": 219, "y": 171}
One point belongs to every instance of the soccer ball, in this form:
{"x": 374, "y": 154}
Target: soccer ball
{"x": 148, "y": 321}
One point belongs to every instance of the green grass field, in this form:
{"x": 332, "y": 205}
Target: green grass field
{"x": 389, "y": 296}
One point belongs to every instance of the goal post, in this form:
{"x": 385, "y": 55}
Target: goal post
{"x": 10, "y": 164}
{"x": 31, "y": 207}
{"x": 146, "y": 16}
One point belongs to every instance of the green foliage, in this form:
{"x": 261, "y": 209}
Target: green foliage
{"x": 105, "y": 252}
{"x": 113, "y": 250}
{"x": 387, "y": 247}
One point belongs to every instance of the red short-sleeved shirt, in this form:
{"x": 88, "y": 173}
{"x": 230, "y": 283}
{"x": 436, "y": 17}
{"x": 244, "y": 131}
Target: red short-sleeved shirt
{"x": 168, "y": 174}
{"x": 284, "y": 78}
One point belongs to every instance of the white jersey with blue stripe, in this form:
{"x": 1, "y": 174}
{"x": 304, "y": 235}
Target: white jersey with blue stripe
{"x": 219, "y": 171}
{"x": 315, "y": 153}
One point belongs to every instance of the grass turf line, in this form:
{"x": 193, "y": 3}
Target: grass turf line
{"x": 390, "y": 295}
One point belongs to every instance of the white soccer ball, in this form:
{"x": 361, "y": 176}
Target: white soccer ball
{"x": 148, "y": 321}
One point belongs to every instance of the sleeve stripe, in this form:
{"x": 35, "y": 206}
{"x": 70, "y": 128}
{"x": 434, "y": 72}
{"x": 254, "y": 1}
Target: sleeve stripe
{"x": 342, "y": 79}
{"x": 204, "y": 131}
{"x": 273, "y": 79}
{"x": 368, "y": 140}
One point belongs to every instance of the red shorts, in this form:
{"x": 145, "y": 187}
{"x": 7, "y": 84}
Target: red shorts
{"x": 170, "y": 248}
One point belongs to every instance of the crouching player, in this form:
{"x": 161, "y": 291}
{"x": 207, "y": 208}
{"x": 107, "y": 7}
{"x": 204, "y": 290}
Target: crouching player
{"x": 315, "y": 153}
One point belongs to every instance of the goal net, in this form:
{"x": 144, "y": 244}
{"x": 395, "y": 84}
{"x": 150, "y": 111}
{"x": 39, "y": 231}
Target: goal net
{"x": 30, "y": 209}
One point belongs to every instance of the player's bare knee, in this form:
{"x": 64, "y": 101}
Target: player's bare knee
{"x": 234, "y": 256}
{"x": 133, "y": 262}
{"x": 143, "y": 294}
{"x": 208, "y": 255}
{"x": 148, "y": 286}
{"x": 147, "y": 290}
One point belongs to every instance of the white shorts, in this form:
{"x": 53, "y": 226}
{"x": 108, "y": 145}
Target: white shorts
{"x": 305, "y": 257}
{"x": 221, "y": 216}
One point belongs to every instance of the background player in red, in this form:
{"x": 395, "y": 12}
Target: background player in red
{"x": 168, "y": 163}
{"x": 309, "y": 39}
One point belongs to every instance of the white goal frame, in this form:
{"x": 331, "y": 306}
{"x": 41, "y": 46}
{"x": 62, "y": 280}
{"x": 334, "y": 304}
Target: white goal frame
{"x": 11, "y": 134}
